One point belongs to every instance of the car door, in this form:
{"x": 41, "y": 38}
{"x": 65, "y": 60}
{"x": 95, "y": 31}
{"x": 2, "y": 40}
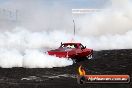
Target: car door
{"x": 84, "y": 51}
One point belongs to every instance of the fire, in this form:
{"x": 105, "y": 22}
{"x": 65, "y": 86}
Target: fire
{"x": 81, "y": 71}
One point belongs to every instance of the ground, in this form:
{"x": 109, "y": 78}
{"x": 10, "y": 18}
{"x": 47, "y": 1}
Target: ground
{"x": 103, "y": 62}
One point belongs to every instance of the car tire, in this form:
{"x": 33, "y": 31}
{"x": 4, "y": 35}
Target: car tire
{"x": 89, "y": 57}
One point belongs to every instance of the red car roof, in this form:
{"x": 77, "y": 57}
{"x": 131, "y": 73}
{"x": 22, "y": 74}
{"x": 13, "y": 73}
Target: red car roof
{"x": 71, "y": 43}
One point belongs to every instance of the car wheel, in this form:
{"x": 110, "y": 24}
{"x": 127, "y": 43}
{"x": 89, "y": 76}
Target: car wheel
{"x": 89, "y": 57}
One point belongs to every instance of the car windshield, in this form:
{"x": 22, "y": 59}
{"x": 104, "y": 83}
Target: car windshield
{"x": 68, "y": 46}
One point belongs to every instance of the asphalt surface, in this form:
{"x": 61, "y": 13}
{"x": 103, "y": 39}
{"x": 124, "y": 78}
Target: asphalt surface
{"x": 103, "y": 62}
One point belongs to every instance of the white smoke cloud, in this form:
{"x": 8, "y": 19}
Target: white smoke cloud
{"x": 38, "y": 15}
{"x": 10, "y": 58}
{"x": 107, "y": 22}
{"x": 30, "y": 59}
{"x": 34, "y": 59}
{"x": 42, "y": 27}
{"x": 23, "y": 48}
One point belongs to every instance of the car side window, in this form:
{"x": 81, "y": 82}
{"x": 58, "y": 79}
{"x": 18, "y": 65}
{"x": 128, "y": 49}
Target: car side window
{"x": 81, "y": 46}
{"x": 75, "y": 46}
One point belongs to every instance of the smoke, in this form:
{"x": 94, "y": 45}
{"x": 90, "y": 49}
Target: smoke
{"x": 32, "y": 32}
{"x": 109, "y": 28}
{"x": 112, "y": 20}
{"x": 23, "y": 48}
{"x": 42, "y": 25}
{"x": 30, "y": 59}
{"x": 38, "y": 15}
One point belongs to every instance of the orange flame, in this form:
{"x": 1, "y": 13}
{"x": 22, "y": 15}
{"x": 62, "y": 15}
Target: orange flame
{"x": 81, "y": 71}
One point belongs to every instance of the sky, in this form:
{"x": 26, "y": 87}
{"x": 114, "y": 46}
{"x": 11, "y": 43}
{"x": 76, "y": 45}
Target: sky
{"x": 79, "y": 3}
{"x": 68, "y": 3}
{"x": 40, "y": 11}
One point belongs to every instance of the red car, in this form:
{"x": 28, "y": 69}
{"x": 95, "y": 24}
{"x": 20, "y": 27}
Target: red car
{"x": 75, "y": 51}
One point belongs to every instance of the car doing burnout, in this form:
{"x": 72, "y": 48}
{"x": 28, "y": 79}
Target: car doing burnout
{"x": 75, "y": 51}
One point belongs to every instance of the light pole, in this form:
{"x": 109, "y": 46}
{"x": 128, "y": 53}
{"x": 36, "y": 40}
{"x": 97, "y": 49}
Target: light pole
{"x": 74, "y": 27}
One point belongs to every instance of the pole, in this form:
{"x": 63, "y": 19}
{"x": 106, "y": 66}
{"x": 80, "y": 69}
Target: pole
{"x": 74, "y": 27}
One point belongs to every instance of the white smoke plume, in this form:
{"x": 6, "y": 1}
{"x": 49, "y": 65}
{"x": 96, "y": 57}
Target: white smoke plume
{"x": 30, "y": 59}
{"x": 39, "y": 28}
{"x": 22, "y": 48}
